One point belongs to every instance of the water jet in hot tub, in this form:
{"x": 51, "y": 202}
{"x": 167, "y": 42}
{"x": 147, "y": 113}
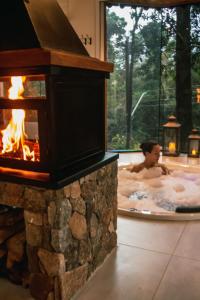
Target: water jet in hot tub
{"x": 153, "y": 195}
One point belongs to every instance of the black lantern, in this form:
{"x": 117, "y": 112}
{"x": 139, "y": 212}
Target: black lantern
{"x": 194, "y": 143}
{"x": 171, "y": 137}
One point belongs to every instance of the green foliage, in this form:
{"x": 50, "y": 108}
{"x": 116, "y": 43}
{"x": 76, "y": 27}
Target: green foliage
{"x": 154, "y": 72}
{"x": 118, "y": 142}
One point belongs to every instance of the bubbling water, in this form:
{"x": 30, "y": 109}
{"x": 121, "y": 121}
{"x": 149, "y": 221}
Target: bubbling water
{"x": 151, "y": 190}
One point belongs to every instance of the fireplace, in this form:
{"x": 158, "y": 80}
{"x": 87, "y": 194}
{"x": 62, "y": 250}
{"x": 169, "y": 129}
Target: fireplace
{"x": 64, "y": 119}
{"x": 54, "y": 169}
{"x": 60, "y": 100}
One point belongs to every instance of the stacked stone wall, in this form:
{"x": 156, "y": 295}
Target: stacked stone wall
{"x": 69, "y": 231}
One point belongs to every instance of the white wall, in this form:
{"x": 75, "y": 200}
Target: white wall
{"x": 86, "y": 17}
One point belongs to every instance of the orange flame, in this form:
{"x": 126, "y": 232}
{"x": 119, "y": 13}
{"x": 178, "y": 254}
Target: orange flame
{"x": 13, "y": 136}
{"x": 198, "y": 95}
{"x": 17, "y": 88}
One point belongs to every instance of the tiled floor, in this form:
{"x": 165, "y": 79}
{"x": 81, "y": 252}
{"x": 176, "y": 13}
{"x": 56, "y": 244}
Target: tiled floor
{"x": 157, "y": 260}
{"x": 9, "y": 291}
{"x": 153, "y": 260}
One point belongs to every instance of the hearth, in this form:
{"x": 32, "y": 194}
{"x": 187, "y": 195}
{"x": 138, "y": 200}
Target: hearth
{"x": 53, "y": 164}
{"x": 53, "y": 126}
{"x": 65, "y": 234}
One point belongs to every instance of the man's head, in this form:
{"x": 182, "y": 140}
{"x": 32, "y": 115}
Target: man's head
{"x": 151, "y": 151}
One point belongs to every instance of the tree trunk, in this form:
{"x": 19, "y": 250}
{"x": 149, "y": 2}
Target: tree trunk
{"x": 129, "y": 77}
{"x": 128, "y": 97}
{"x": 183, "y": 74}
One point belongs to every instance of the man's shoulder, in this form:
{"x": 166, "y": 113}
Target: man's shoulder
{"x": 135, "y": 167}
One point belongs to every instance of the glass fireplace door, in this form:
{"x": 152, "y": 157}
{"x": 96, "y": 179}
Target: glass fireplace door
{"x": 22, "y": 103}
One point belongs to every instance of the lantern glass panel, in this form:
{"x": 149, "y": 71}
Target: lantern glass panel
{"x": 193, "y": 146}
{"x": 170, "y": 137}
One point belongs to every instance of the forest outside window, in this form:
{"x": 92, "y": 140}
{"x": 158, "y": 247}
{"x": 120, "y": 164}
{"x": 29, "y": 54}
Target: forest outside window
{"x": 156, "y": 53}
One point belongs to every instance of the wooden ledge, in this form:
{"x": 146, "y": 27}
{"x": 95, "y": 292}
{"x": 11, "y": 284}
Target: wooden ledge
{"x": 46, "y": 57}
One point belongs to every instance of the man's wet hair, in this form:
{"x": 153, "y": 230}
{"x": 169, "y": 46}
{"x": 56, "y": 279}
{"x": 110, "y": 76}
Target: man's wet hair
{"x": 148, "y": 146}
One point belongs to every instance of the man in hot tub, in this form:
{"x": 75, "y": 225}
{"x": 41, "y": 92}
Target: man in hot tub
{"x": 151, "y": 151}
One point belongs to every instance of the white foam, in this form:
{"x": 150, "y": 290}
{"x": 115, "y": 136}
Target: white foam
{"x": 179, "y": 188}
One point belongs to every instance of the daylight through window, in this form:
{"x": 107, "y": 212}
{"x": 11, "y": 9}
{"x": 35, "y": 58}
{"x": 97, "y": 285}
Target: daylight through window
{"x": 156, "y": 53}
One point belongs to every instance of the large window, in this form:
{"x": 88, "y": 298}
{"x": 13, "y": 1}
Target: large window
{"x": 156, "y": 53}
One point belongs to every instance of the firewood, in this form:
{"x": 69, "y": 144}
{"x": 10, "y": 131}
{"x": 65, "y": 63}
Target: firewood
{"x": 16, "y": 248}
{"x": 14, "y": 276}
{"x": 26, "y": 279}
{"x": 2, "y": 252}
{"x": 13, "y": 257}
{"x": 8, "y": 231}
{"x": 19, "y": 273}
{"x": 11, "y": 217}
{"x": 3, "y": 269}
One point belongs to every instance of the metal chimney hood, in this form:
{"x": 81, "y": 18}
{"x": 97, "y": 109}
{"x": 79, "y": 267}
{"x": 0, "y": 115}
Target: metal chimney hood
{"x": 29, "y": 24}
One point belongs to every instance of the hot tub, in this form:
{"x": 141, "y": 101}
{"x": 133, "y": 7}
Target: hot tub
{"x": 150, "y": 194}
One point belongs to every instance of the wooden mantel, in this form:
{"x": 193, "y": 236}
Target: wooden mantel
{"x": 46, "y": 57}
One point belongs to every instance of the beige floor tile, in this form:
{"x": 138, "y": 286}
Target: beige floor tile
{"x": 189, "y": 244}
{"x": 9, "y": 291}
{"x": 129, "y": 273}
{"x": 161, "y": 236}
{"x": 181, "y": 281}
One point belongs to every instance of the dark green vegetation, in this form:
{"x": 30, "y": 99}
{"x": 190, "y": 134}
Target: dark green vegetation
{"x": 157, "y": 73}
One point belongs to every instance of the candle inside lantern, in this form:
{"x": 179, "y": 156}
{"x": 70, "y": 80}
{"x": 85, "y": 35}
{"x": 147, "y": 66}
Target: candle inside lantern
{"x": 194, "y": 152}
{"x": 198, "y": 95}
{"x": 172, "y": 147}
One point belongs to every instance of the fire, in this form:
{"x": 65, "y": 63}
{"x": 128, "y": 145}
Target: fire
{"x": 17, "y": 89}
{"x": 13, "y": 136}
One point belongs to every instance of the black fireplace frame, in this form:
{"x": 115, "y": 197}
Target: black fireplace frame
{"x": 37, "y": 38}
{"x": 57, "y": 160}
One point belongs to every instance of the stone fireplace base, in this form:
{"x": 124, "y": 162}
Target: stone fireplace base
{"x": 69, "y": 231}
